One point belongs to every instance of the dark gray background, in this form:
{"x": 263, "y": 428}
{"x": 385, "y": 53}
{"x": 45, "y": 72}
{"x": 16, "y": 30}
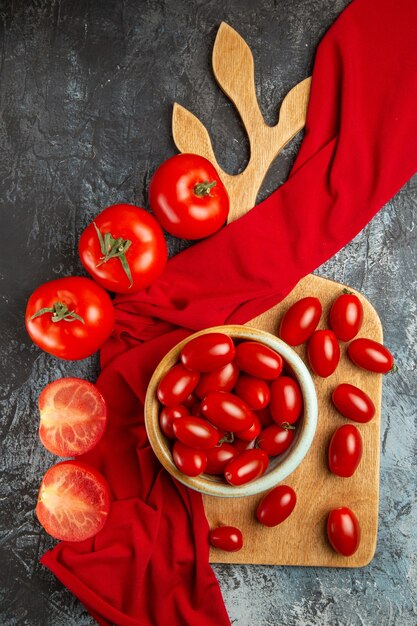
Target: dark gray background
{"x": 86, "y": 92}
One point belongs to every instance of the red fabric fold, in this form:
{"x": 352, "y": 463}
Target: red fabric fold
{"x": 149, "y": 565}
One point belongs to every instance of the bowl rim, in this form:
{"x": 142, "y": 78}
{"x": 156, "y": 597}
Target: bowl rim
{"x": 211, "y": 485}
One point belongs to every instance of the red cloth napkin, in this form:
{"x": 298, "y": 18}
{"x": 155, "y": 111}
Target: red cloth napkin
{"x": 149, "y": 565}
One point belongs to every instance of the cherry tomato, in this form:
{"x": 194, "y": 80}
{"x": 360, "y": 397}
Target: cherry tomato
{"x": 167, "y": 417}
{"x": 343, "y": 531}
{"x": 258, "y": 360}
{"x": 220, "y": 456}
{"x": 73, "y": 416}
{"x": 73, "y": 501}
{"x": 208, "y": 352}
{"x": 70, "y": 318}
{"x": 227, "y": 411}
{"x": 286, "y": 401}
{"x": 221, "y": 379}
{"x": 275, "y": 440}
{"x": 226, "y": 538}
{"x": 345, "y": 450}
{"x": 241, "y": 446}
{"x": 276, "y": 506}
{"x": 246, "y": 467}
{"x": 300, "y": 321}
{"x": 346, "y": 316}
{"x": 195, "y": 432}
{"x": 250, "y": 433}
{"x": 323, "y": 352}
{"x": 371, "y": 355}
{"x": 188, "y": 197}
{"x": 189, "y": 461}
{"x": 353, "y": 403}
{"x": 123, "y": 249}
{"x": 264, "y": 416}
{"x": 175, "y": 387}
{"x": 253, "y": 391}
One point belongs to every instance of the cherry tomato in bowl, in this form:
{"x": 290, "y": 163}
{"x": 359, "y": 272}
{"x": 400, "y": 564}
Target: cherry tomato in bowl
{"x": 227, "y": 538}
{"x": 176, "y": 386}
{"x": 286, "y": 402}
{"x": 276, "y": 506}
{"x": 195, "y": 432}
{"x": 300, "y": 321}
{"x": 246, "y": 467}
{"x": 227, "y": 411}
{"x": 343, "y": 531}
{"x": 353, "y": 403}
{"x": 221, "y": 379}
{"x": 275, "y": 439}
{"x": 253, "y": 391}
{"x": 371, "y": 355}
{"x": 190, "y": 461}
{"x": 208, "y": 352}
{"x": 167, "y": 417}
{"x": 346, "y": 315}
{"x": 219, "y": 457}
{"x": 258, "y": 360}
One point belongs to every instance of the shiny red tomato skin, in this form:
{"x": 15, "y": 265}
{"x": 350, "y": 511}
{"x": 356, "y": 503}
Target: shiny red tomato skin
{"x": 222, "y": 379}
{"x": 176, "y": 385}
{"x": 167, "y": 417}
{"x": 146, "y": 256}
{"x": 276, "y": 506}
{"x": 323, "y": 352}
{"x": 189, "y": 461}
{"x": 300, "y": 321}
{"x": 275, "y": 440}
{"x": 175, "y": 203}
{"x": 218, "y": 457}
{"x": 195, "y": 432}
{"x": 346, "y": 316}
{"x": 286, "y": 401}
{"x": 250, "y": 433}
{"x": 241, "y": 446}
{"x": 70, "y": 340}
{"x": 345, "y": 451}
{"x": 191, "y": 400}
{"x": 343, "y": 531}
{"x": 227, "y": 538}
{"x": 253, "y": 391}
{"x": 353, "y": 403}
{"x": 208, "y": 352}
{"x": 227, "y": 411}
{"x": 258, "y": 360}
{"x": 370, "y": 355}
{"x": 264, "y": 416}
{"x": 246, "y": 467}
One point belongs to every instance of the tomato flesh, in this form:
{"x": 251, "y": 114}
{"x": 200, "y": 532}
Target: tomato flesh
{"x": 343, "y": 531}
{"x": 276, "y": 506}
{"x": 345, "y": 451}
{"x": 208, "y": 352}
{"x": 353, "y": 403}
{"x": 300, "y": 321}
{"x": 227, "y": 538}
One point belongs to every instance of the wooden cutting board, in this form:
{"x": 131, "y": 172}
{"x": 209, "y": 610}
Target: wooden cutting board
{"x": 301, "y": 539}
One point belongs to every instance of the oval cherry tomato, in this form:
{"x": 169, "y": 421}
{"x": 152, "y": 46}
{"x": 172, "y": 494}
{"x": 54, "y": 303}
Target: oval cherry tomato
{"x": 167, "y": 417}
{"x": 189, "y": 461}
{"x": 219, "y": 457}
{"x": 177, "y": 384}
{"x": 227, "y": 411}
{"x": 250, "y": 433}
{"x": 300, "y": 321}
{"x": 70, "y": 318}
{"x": 346, "y": 316}
{"x": 286, "y": 401}
{"x": 208, "y": 352}
{"x": 246, "y": 467}
{"x": 343, "y": 531}
{"x": 123, "y": 249}
{"x": 73, "y": 501}
{"x": 195, "y": 432}
{"x": 226, "y": 538}
{"x": 73, "y": 416}
{"x": 345, "y": 451}
{"x": 371, "y": 355}
{"x": 221, "y": 379}
{"x": 258, "y": 360}
{"x": 253, "y": 391}
{"x": 188, "y": 197}
{"x": 276, "y": 506}
{"x": 323, "y": 352}
{"x": 275, "y": 440}
{"x": 353, "y": 403}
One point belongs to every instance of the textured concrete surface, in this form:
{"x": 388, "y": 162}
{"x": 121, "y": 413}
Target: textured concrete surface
{"x": 86, "y": 93}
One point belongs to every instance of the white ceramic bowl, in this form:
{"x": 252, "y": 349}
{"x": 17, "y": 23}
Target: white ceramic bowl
{"x": 279, "y": 467}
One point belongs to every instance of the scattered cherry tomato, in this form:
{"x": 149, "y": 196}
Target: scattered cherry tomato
{"x": 323, "y": 352}
{"x": 258, "y": 360}
{"x": 253, "y": 391}
{"x": 220, "y": 456}
{"x": 70, "y": 317}
{"x": 208, "y": 352}
{"x": 250, "y": 433}
{"x": 275, "y": 440}
{"x": 346, "y": 315}
{"x": 189, "y": 461}
{"x": 226, "y": 538}
{"x": 276, "y": 506}
{"x": 177, "y": 384}
{"x": 343, "y": 531}
{"x": 353, "y": 403}
{"x": 300, "y": 321}
{"x": 345, "y": 450}
{"x": 286, "y": 401}
{"x": 248, "y": 466}
{"x": 371, "y": 355}
{"x": 227, "y": 411}
{"x": 221, "y": 379}
{"x": 167, "y": 417}
{"x": 195, "y": 432}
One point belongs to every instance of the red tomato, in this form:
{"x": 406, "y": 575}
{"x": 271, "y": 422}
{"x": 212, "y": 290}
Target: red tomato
{"x": 73, "y": 501}
{"x": 195, "y": 432}
{"x": 246, "y": 467}
{"x": 189, "y": 461}
{"x": 371, "y": 355}
{"x": 188, "y": 197}
{"x": 258, "y": 360}
{"x": 176, "y": 385}
{"x": 73, "y": 416}
{"x": 241, "y": 446}
{"x": 167, "y": 417}
{"x": 253, "y": 391}
{"x": 323, "y": 352}
{"x": 221, "y": 379}
{"x": 353, "y": 403}
{"x": 300, "y": 321}
{"x": 227, "y": 411}
{"x": 191, "y": 400}
{"x": 264, "y": 416}
{"x": 123, "y": 249}
{"x": 250, "y": 433}
{"x": 286, "y": 401}
{"x": 345, "y": 450}
{"x": 70, "y": 318}
{"x": 218, "y": 457}
{"x": 276, "y": 506}
{"x": 346, "y": 316}
{"x": 275, "y": 440}
{"x": 226, "y": 538}
{"x": 343, "y": 531}
{"x": 208, "y": 352}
